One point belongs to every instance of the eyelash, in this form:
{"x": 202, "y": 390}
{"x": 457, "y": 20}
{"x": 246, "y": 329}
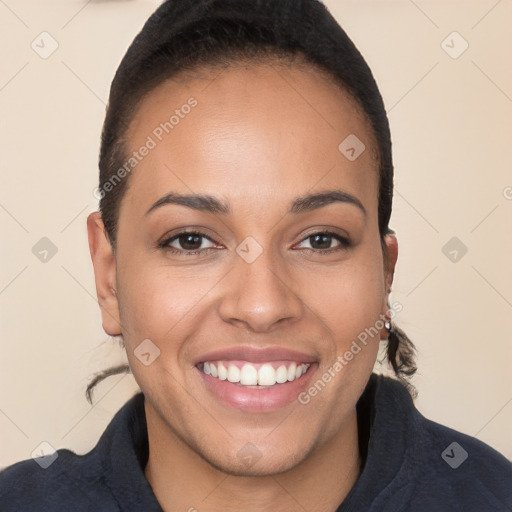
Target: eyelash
{"x": 345, "y": 243}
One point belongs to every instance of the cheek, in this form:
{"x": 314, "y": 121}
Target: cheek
{"x": 162, "y": 303}
{"x": 348, "y": 302}
{"x": 157, "y": 305}
{"x": 349, "y": 298}
{"x": 156, "y": 298}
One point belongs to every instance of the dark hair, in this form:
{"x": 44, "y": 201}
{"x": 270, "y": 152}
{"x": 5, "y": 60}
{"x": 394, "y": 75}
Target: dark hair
{"x": 186, "y": 35}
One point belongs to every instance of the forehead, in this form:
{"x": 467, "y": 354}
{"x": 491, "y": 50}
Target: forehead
{"x": 248, "y": 131}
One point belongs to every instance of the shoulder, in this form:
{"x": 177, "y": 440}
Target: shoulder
{"x": 423, "y": 466}
{"x": 69, "y": 482}
{"x": 443, "y": 469}
{"x": 110, "y": 473}
{"x": 463, "y": 472}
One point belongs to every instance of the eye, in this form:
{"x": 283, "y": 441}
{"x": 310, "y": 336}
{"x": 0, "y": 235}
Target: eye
{"x": 321, "y": 242}
{"x": 187, "y": 243}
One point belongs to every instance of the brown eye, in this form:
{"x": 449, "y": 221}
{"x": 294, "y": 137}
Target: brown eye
{"x": 190, "y": 241}
{"x": 187, "y": 243}
{"x": 322, "y": 242}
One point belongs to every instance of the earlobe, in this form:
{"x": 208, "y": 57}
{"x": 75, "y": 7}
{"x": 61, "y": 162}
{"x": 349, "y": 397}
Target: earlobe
{"x": 104, "y": 263}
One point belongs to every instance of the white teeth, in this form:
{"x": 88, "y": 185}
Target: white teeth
{"x": 291, "y": 371}
{"x": 266, "y": 375}
{"x": 281, "y": 374}
{"x": 222, "y": 372}
{"x": 248, "y": 375}
{"x": 233, "y": 373}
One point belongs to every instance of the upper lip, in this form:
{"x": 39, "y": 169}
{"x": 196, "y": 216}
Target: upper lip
{"x": 256, "y": 355}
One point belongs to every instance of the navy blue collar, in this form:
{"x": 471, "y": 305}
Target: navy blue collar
{"x": 125, "y": 444}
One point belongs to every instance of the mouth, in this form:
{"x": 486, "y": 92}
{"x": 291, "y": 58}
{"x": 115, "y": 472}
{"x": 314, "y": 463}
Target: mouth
{"x": 255, "y": 375}
{"x": 255, "y": 380}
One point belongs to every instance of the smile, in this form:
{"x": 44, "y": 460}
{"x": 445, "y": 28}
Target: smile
{"x": 260, "y": 375}
{"x": 255, "y": 379}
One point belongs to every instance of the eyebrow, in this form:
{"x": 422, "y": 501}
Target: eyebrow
{"x": 210, "y": 204}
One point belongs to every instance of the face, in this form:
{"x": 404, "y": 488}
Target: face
{"x": 268, "y": 281}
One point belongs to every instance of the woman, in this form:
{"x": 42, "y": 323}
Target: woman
{"x": 243, "y": 252}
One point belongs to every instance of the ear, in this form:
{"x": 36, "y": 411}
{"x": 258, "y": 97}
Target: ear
{"x": 390, "y": 258}
{"x": 104, "y": 263}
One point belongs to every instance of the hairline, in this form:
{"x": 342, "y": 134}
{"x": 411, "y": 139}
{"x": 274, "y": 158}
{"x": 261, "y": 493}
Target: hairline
{"x": 266, "y": 56}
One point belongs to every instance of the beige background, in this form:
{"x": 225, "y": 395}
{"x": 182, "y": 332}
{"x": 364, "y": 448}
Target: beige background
{"x": 451, "y": 126}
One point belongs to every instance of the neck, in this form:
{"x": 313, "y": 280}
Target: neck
{"x": 182, "y": 480}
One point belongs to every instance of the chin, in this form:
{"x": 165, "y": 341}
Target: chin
{"x": 251, "y": 461}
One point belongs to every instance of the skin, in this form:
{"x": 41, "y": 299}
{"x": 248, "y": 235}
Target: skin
{"x": 261, "y": 135}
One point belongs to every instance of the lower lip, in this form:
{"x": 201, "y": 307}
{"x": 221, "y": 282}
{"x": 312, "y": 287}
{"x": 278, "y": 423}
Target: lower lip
{"x": 257, "y": 400}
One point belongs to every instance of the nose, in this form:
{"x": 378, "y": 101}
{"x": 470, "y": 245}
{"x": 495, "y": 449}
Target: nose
{"x": 260, "y": 294}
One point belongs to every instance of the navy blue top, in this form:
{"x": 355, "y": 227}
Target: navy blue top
{"x": 411, "y": 464}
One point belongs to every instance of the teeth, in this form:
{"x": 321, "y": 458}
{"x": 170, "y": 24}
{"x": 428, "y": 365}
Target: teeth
{"x": 248, "y": 375}
{"x": 281, "y": 374}
{"x": 266, "y": 375}
{"x": 222, "y": 372}
{"x": 233, "y": 373}
{"x": 291, "y": 371}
